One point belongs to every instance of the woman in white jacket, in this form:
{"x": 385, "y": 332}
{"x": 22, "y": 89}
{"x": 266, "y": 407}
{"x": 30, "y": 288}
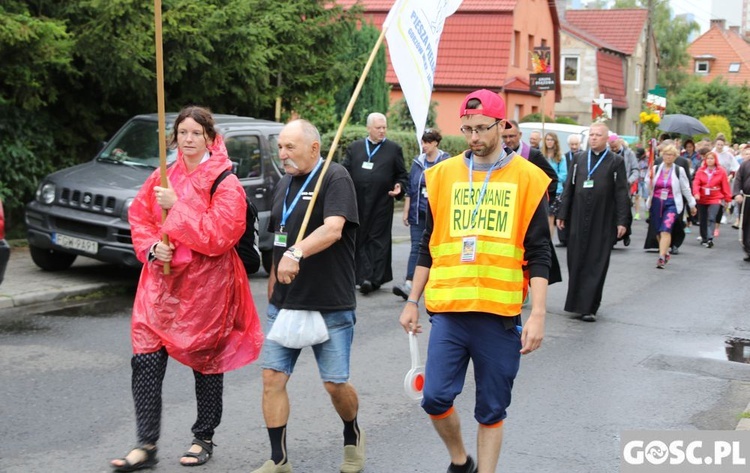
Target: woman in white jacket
{"x": 668, "y": 184}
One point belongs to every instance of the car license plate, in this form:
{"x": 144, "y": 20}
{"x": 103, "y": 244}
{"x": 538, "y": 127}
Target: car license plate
{"x": 80, "y": 244}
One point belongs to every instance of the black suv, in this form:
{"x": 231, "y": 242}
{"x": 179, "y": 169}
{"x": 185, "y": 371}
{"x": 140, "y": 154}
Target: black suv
{"x": 83, "y": 210}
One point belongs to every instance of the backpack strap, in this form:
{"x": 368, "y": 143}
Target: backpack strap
{"x": 218, "y": 180}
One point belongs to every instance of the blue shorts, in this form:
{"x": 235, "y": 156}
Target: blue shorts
{"x": 332, "y": 355}
{"x": 492, "y": 343}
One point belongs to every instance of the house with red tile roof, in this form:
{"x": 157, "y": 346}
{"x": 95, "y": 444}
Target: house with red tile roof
{"x": 603, "y": 52}
{"x": 720, "y": 52}
{"x": 485, "y": 44}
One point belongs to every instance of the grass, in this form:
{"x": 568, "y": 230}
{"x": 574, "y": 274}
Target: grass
{"x": 18, "y": 243}
{"x": 106, "y": 292}
{"x": 744, "y": 415}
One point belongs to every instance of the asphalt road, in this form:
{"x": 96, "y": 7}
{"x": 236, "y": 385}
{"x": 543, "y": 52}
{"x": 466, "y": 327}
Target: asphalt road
{"x": 655, "y": 360}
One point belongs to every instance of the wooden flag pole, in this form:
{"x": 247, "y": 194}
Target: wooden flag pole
{"x": 162, "y": 113}
{"x": 340, "y": 131}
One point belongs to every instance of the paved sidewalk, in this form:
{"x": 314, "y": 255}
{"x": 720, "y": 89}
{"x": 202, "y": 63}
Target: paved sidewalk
{"x": 27, "y": 285}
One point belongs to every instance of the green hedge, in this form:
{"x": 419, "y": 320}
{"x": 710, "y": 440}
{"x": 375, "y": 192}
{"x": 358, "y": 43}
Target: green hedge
{"x": 453, "y": 145}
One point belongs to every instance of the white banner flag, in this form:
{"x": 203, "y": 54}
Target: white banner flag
{"x": 413, "y": 29}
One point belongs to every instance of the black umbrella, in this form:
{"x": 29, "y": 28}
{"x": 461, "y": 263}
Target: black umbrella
{"x": 682, "y": 124}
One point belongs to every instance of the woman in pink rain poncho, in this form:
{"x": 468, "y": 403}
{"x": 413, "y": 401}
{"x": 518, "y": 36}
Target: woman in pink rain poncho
{"x": 201, "y": 314}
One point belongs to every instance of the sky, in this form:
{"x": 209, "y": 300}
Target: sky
{"x": 701, "y": 9}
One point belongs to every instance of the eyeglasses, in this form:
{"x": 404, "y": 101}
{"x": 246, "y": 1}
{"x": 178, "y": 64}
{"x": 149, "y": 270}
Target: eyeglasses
{"x": 479, "y": 130}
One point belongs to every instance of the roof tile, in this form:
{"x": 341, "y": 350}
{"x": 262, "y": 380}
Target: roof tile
{"x": 611, "y": 78}
{"x": 726, "y": 47}
{"x": 466, "y": 6}
{"x": 459, "y": 52}
{"x": 619, "y": 27}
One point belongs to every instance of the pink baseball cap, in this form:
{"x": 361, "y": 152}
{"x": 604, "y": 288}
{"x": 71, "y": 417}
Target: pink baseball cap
{"x": 492, "y": 105}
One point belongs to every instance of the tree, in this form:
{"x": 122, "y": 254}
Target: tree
{"x": 699, "y": 99}
{"x": 671, "y": 41}
{"x": 374, "y": 96}
{"x": 400, "y": 117}
{"x": 85, "y": 66}
{"x": 32, "y": 51}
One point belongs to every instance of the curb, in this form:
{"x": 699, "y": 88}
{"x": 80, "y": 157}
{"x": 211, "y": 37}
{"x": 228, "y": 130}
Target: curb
{"x": 37, "y": 297}
{"x": 744, "y": 423}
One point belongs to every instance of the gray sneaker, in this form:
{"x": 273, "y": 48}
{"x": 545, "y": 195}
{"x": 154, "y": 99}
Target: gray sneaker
{"x": 354, "y": 456}
{"x": 271, "y": 467}
{"x": 403, "y": 290}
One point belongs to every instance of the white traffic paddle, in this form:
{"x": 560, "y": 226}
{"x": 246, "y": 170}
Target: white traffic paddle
{"x": 414, "y": 379}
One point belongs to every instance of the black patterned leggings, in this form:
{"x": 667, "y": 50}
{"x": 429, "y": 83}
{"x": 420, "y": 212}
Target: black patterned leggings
{"x": 148, "y": 374}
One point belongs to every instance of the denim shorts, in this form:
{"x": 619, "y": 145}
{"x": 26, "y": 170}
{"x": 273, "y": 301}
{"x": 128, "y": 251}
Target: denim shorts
{"x": 332, "y": 355}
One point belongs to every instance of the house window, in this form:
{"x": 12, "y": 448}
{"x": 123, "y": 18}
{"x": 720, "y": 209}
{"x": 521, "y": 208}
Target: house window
{"x": 529, "y": 63}
{"x": 638, "y": 78}
{"x": 516, "y": 47}
{"x": 570, "y": 69}
{"x": 517, "y": 112}
{"x": 702, "y": 67}
{"x": 734, "y": 67}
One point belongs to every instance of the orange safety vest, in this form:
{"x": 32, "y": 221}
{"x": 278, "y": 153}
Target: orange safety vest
{"x": 494, "y": 282}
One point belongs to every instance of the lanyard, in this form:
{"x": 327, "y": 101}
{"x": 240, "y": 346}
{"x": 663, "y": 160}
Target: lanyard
{"x": 666, "y": 178}
{"x": 285, "y": 213}
{"x": 367, "y": 147}
{"x": 591, "y": 171}
{"x": 710, "y": 175}
{"x": 484, "y": 186}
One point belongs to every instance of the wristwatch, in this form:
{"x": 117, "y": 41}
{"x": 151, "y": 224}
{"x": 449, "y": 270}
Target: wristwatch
{"x": 295, "y": 253}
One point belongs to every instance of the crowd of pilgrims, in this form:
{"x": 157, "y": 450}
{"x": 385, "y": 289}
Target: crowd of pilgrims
{"x": 717, "y": 183}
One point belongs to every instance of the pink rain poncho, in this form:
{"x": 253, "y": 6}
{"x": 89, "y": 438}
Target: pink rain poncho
{"x": 203, "y": 312}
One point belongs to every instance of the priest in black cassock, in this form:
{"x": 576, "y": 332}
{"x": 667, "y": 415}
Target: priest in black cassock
{"x": 594, "y": 209}
{"x": 741, "y": 191}
{"x": 379, "y": 173}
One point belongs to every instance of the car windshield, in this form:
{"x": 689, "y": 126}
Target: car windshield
{"x": 137, "y": 145}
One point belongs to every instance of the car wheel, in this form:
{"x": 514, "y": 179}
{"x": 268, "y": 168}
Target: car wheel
{"x": 267, "y": 257}
{"x": 51, "y": 260}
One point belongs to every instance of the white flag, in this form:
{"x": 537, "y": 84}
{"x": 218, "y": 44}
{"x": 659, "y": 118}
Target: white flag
{"x": 413, "y": 29}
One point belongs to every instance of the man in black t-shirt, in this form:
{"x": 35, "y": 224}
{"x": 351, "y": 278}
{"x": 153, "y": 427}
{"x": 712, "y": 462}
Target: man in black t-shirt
{"x": 315, "y": 273}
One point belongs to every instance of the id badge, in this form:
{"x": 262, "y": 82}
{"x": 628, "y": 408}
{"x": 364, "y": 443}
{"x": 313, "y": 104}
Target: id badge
{"x": 708, "y": 191}
{"x": 664, "y": 194}
{"x": 469, "y": 249}
{"x": 588, "y": 184}
{"x": 424, "y": 192}
{"x": 279, "y": 239}
{"x": 367, "y": 165}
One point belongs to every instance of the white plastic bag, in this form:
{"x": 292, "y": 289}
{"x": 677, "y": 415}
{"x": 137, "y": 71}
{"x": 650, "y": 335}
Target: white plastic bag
{"x": 298, "y": 328}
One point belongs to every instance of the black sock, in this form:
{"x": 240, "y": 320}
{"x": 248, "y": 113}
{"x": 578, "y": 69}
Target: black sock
{"x": 351, "y": 432}
{"x": 277, "y": 435}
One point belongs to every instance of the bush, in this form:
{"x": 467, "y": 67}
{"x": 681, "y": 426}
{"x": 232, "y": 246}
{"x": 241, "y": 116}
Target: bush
{"x": 716, "y": 124}
{"x": 536, "y": 117}
{"x": 566, "y": 121}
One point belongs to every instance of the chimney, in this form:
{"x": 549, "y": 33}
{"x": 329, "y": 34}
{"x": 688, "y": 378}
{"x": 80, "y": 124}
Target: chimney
{"x": 561, "y": 7}
{"x": 721, "y": 24}
{"x": 735, "y": 29}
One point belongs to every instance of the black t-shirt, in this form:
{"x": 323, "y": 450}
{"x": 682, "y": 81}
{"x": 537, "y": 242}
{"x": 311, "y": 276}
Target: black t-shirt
{"x": 326, "y": 280}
